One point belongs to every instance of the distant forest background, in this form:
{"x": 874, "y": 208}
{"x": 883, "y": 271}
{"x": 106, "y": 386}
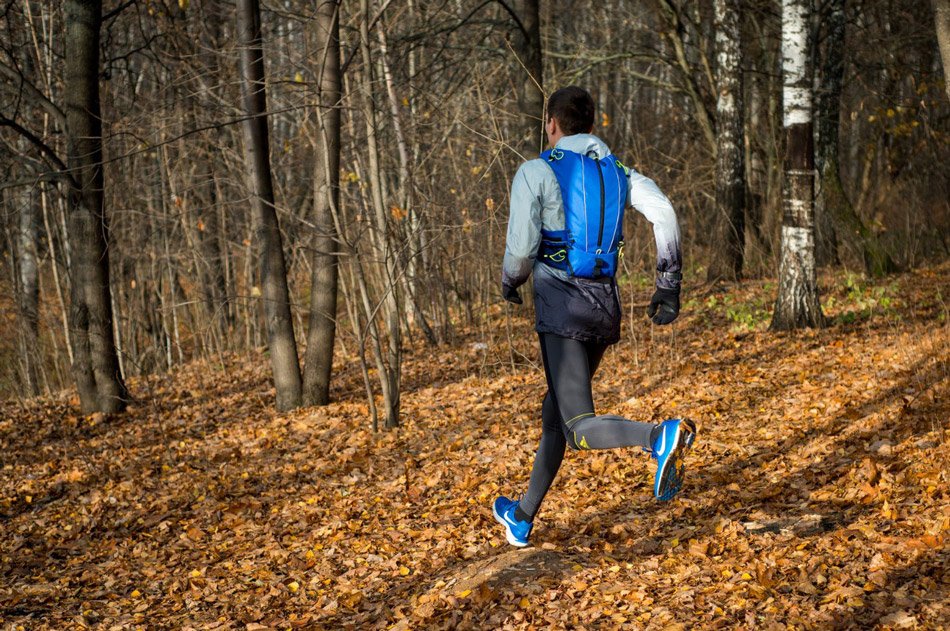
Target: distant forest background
{"x": 165, "y": 238}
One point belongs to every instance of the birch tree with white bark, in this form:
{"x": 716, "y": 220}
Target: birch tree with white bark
{"x": 797, "y": 305}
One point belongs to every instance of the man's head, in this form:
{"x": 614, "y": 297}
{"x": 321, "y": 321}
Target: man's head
{"x": 570, "y": 111}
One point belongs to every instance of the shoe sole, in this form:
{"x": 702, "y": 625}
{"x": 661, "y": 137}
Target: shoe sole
{"x": 508, "y": 534}
{"x": 674, "y": 470}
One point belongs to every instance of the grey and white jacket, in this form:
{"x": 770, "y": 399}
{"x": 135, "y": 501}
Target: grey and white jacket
{"x": 587, "y": 310}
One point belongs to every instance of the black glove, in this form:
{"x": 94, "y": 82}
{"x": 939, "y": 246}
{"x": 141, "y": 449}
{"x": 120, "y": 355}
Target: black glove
{"x": 664, "y": 306}
{"x": 511, "y": 294}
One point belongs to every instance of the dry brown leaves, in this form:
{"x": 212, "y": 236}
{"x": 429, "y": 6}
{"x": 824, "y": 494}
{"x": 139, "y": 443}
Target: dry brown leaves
{"x": 817, "y": 496}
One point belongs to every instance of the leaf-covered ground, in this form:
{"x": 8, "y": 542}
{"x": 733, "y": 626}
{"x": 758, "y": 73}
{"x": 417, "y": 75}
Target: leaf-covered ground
{"x": 817, "y": 494}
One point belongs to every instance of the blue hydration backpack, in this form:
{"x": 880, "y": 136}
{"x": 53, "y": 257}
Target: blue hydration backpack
{"x": 595, "y": 194}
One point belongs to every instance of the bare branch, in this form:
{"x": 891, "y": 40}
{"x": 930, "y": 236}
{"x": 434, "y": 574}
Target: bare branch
{"x": 31, "y": 92}
{"x": 119, "y": 9}
{"x": 35, "y": 141}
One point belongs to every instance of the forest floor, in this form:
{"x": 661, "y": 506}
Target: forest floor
{"x": 816, "y": 495}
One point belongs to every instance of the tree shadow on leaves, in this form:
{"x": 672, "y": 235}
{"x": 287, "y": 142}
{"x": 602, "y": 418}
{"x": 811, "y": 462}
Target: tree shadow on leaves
{"x": 898, "y": 594}
{"x": 795, "y": 502}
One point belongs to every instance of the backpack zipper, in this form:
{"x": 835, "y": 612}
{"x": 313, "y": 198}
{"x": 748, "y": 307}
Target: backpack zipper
{"x": 600, "y": 231}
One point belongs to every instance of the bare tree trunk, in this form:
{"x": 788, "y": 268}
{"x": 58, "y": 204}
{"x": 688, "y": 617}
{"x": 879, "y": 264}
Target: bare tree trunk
{"x": 96, "y": 366}
{"x": 404, "y": 198}
{"x": 390, "y": 377}
{"x": 797, "y": 305}
{"x": 730, "y": 143}
{"x": 531, "y": 95}
{"x": 326, "y": 199}
{"x": 276, "y": 296}
{"x": 827, "y": 111}
{"x": 755, "y": 139}
{"x": 165, "y": 195}
{"x": 833, "y": 208}
{"x": 676, "y": 35}
{"x": 942, "y": 20}
{"x": 28, "y": 287}
{"x": 212, "y": 237}
{"x": 209, "y": 240}
{"x": 27, "y": 268}
{"x": 771, "y": 224}
{"x": 360, "y": 333}
{"x": 54, "y": 266}
{"x": 417, "y": 242}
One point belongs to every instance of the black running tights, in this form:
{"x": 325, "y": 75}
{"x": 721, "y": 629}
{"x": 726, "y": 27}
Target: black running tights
{"x": 567, "y": 414}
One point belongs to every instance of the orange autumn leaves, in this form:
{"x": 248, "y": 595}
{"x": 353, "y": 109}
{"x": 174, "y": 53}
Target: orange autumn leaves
{"x": 816, "y": 495}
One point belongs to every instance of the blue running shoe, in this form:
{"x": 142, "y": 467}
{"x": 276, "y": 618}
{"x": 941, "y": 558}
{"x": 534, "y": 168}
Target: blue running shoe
{"x": 516, "y": 532}
{"x": 676, "y": 436}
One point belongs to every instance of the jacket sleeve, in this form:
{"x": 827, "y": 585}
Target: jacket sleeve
{"x": 649, "y": 200}
{"x": 524, "y": 229}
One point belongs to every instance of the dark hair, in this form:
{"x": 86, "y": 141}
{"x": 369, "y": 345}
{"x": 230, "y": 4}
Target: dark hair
{"x": 573, "y": 109}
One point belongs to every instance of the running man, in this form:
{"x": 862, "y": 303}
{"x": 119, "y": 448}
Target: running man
{"x": 566, "y": 224}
